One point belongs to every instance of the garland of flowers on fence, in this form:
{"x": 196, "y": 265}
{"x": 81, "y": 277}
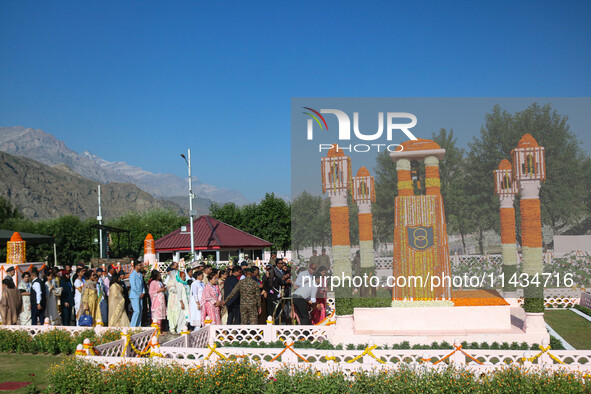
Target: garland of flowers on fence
{"x": 543, "y": 350}
{"x": 289, "y": 346}
{"x": 457, "y": 348}
{"x": 213, "y": 350}
{"x": 367, "y": 352}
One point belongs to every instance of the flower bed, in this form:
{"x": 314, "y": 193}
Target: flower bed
{"x": 76, "y": 375}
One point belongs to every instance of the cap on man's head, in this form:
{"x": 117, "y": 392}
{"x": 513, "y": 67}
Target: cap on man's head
{"x": 10, "y": 269}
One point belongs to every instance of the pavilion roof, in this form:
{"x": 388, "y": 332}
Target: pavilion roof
{"x": 209, "y": 233}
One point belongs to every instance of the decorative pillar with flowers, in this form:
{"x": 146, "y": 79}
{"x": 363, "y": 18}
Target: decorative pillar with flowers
{"x": 16, "y": 250}
{"x": 336, "y": 181}
{"x": 364, "y": 195}
{"x": 529, "y": 171}
{"x": 150, "y": 252}
{"x": 420, "y": 232}
{"x": 506, "y": 188}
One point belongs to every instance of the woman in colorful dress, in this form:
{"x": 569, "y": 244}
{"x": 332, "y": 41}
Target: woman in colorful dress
{"x": 195, "y": 302}
{"x": 173, "y": 308}
{"x": 53, "y": 290}
{"x": 78, "y": 287}
{"x": 318, "y": 313}
{"x": 156, "y": 289}
{"x": 211, "y": 299}
{"x": 223, "y": 310}
{"x": 117, "y": 313}
{"x": 24, "y": 287}
{"x": 89, "y": 302}
{"x": 183, "y": 292}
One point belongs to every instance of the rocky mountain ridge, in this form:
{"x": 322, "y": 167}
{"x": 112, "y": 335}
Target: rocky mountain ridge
{"x": 44, "y": 192}
{"x": 43, "y": 147}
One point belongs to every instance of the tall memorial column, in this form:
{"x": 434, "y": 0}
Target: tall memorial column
{"x": 529, "y": 171}
{"x": 150, "y": 252}
{"x": 364, "y": 195}
{"x": 506, "y": 188}
{"x": 420, "y": 233}
{"x": 336, "y": 181}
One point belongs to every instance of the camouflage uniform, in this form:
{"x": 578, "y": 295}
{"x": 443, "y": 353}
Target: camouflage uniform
{"x": 250, "y": 300}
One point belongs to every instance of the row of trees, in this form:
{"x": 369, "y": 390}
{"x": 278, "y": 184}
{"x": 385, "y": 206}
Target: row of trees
{"x": 75, "y": 238}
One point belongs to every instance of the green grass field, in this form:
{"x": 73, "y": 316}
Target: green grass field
{"x": 570, "y": 326}
{"x": 21, "y": 367}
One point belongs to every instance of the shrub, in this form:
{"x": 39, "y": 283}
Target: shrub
{"x": 57, "y": 341}
{"x": 583, "y": 309}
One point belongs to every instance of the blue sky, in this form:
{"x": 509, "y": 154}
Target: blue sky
{"x": 142, "y": 81}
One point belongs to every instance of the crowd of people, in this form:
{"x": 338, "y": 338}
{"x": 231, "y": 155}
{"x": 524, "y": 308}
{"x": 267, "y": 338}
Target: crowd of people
{"x": 181, "y": 298}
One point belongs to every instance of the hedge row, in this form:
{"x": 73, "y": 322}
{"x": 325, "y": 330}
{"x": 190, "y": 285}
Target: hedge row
{"x": 583, "y": 309}
{"x": 326, "y": 345}
{"x": 53, "y": 342}
{"x": 77, "y": 376}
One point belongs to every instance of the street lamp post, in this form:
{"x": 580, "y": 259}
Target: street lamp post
{"x": 191, "y": 195}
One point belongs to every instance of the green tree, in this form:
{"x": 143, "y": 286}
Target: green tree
{"x": 310, "y": 221}
{"x": 228, "y": 213}
{"x": 270, "y": 219}
{"x": 386, "y": 189}
{"x": 158, "y": 222}
{"x": 274, "y": 220}
{"x": 8, "y": 211}
{"x": 453, "y": 176}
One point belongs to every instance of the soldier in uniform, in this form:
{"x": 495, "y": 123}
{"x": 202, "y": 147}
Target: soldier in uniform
{"x": 324, "y": 259}
{"x": 315, "y": 259}
{"x": 250, "y": 298}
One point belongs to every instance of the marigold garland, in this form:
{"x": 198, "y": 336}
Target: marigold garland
{"x": 16, "y": 250}
{"x": 507, "y": 225}
{"x": 426, "y": 211}
{"x": 531, "y": 223}
{"x": 432, "y": 181}
{"x": 365, "y": 227}
{"x": 339, "y": 224}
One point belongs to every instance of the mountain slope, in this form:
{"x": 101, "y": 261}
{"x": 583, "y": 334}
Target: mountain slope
{"x": 43, "y": 192}
{"x": 43, "y": 147}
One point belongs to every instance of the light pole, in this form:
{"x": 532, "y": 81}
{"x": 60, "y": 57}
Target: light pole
{"x": 191, "y": 195}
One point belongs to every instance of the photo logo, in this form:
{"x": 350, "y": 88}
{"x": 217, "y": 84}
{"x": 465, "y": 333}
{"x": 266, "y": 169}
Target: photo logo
{"x": 345, "y": 124}
{"x": 391, "y": 122}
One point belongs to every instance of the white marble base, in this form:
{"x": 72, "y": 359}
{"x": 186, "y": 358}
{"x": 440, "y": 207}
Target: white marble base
{"x": 472, "y": 324}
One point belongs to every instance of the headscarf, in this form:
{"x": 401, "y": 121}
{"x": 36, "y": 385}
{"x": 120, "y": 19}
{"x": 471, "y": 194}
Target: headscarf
{"x": 178, "y": 278}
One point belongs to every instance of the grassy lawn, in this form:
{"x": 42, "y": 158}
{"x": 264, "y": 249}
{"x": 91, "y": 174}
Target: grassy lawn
{"x": 20, "y": 367}
{"x": 572, "y": 327}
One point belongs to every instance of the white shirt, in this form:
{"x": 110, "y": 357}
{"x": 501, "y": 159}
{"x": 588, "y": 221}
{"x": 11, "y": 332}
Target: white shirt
{"x": 37, "y": 288}
{"x": 300, "y": 279}
{"x": 307, "y": 292}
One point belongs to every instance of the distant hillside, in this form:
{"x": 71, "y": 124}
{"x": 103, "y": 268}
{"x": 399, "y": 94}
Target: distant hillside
{"x": 200, "y": 205}
{"x": 43, "y": 147}
{"x": 43, "y": 192}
